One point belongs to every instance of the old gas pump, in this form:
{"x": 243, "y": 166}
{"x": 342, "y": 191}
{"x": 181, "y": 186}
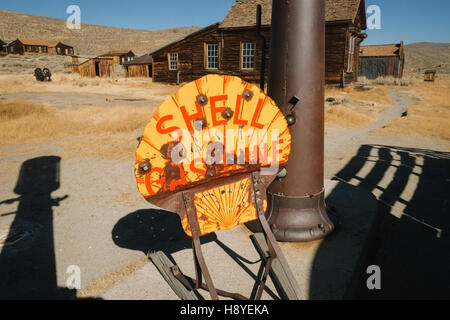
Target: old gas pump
{"x": 296, "y": 83}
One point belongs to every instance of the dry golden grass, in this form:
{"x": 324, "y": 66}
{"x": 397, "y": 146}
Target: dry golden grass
{"x": 105, "y": 132}
{"x": 107, "y": 281}
{"x": 340, "y": 115}
{"x": 430, "y": 117}
{"x": 361, "y": 107}
{"x": 379, "y": 95}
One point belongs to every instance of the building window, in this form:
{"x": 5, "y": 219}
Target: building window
{"x": 351, "y": 53}
{"x": 248, "y": 55}
{"x": 173, "y": 61}
{"x": 35, "y": 48}
{"x": 44, "y": 49}
{"x": 212, "y": 56}
{"x": 58, "y": 50}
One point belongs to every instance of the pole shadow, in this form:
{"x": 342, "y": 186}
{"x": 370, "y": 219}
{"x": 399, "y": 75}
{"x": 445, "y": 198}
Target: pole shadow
{"x": 27, "y": 259}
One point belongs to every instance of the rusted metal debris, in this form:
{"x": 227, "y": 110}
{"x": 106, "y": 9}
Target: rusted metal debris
{"x": 42, "y": 74}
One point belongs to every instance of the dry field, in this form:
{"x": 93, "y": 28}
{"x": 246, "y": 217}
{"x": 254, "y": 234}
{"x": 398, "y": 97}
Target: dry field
{"x": 95, "y": 127}
{"x": 353, "y": 108}
{"x": 87, "y": 129}
{"x": 429, "y": 115}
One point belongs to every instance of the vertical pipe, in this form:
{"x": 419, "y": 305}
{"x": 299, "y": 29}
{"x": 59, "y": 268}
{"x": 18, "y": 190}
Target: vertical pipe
{"x": 262, "y": 73}
{"x": 297, "y": 70}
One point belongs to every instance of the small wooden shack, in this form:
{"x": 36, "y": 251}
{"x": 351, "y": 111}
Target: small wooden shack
{"x": 2, "y": 48}
{"x": 120, "y": 56}
{"x": 430, "y": 75}
{"x": 27, "y": 46}
{"x": 139, "y": 67}
{"x": 94, "y": 67}
{"x": 232, "y": 46}
{"x": 382, "y": 61}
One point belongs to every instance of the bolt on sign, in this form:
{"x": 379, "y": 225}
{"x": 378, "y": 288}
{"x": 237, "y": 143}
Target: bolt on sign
{"x": 212, "y": 128}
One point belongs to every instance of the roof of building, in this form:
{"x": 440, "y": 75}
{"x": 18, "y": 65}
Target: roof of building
{"x": 145, "y": 59}
{"x": 31, "y": 42}
{"x": 116, "y": 53}
{"x": 385, "y": 50}
{"x": 184, "y": 37}
{"x": 243, "y": 12}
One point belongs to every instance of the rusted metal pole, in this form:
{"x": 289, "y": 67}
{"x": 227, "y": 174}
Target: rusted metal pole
{"x": 297, "y": 72}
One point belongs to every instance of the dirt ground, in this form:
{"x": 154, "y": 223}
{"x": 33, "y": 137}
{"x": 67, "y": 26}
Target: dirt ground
{"x": 393, "y": 140}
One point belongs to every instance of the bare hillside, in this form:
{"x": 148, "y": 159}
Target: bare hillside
{"x": 425, "y": 55}
{"x": 90, "y": 39}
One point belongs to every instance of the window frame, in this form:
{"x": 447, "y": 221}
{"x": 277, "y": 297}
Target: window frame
{"x": 242, "y": 55}
{"x": 169, "y": 60}
{"x": 206, "y": 55}
{"x": 351, "y": 53}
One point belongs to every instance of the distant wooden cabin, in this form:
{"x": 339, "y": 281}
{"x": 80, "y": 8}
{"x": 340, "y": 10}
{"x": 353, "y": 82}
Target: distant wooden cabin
{"x": 2, "y": 48}
{"x": 430, "y": 75}
{"x": 120, "y": 56}
{"x": 232, "y": 47}
{"x": 27, "y": 46}
{"x": 139, "y": 67}
{"x": 382, "y": 61}
{"x": 94, "y": 67}
{"x": 105, "y": 65}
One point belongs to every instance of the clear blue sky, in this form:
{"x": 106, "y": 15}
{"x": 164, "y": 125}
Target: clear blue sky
{"x": 407, "y": 20}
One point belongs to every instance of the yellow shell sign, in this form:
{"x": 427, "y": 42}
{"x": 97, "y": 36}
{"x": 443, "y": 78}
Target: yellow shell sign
{"x": 212, "y": 128}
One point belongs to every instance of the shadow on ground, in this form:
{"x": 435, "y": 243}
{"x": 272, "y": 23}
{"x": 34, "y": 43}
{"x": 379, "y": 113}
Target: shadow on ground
{"x": 27, "y": 259}
{"x": 153, "y": 230}
{"x": 409, "y": 239}
{"x": 158, "y": 230}
{"x": 412, "y": 243}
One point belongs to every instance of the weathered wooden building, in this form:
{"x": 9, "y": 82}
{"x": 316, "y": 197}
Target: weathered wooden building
{"x": 382, "y": 61}
{"x": 2, "y": 48}
{"x": 139, "y": 67}
{"x": 120, "y": 56}
{"x": 27, "y": 46}
{"x": 232, "y": 46}
{"x": 105, "y": 65}
{"x": 94, "y": 67}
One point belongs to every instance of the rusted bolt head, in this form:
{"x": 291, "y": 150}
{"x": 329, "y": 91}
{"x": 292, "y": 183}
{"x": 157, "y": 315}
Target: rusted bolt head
{"x": 247, "y": 95}
{"x": 290, "y": 119}
{"x": 210, "y": 172}
{"x": 166, "y": 150}
{"x": 171, "y": 172}
{"x": 200, "y": 123}
{"x": 144, "y": 167}
{"x": 202, "y": 100}
{"x": 227, "y": 113}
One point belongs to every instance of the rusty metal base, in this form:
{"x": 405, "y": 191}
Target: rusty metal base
{"x": 275, "y": 265}
{"x": 275, "y": 262}
{"x": 297, "y": 219}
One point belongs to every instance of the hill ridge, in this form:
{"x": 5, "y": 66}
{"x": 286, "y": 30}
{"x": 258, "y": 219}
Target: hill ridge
{"x": 91, "y": 39}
